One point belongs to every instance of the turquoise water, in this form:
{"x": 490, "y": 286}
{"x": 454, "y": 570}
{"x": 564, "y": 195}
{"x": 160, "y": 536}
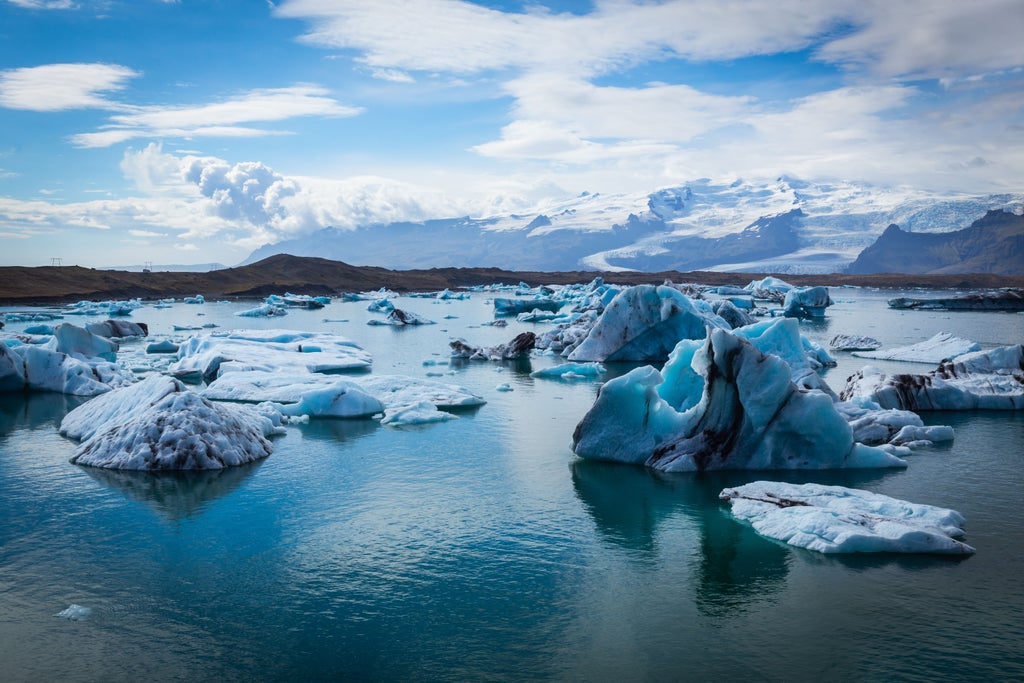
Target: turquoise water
{"x": 481, "y": 548}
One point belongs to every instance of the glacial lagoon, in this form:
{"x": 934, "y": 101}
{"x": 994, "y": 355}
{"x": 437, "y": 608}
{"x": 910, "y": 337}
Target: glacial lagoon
{"x": 482, "y": 548}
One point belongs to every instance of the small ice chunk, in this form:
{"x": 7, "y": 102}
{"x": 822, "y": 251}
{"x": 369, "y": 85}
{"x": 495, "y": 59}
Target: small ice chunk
{"x": 74, "y": 613}
{"x": 420, "y": 413}
{"x": 942, "y": 347}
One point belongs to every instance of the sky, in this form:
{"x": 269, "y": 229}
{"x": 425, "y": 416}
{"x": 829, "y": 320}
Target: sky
{"x": 194, "y": 131}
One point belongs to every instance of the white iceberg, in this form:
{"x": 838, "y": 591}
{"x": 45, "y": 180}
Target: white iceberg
{"x": 835, "y": 519}
{"x": 118, "y": 328}
{"x": 81, "y": 343}
{"x": 643, "y": 324}
{"x": 873, "y": 425}
{"x": 74, "y": 613}
{"x": 159, "y": 424}
{"x": 420, "y": 413}
{"x": 986, "y": 380}
{"x": 290, "y": 388}
{"x": 943, "y": 346}
{"x": 513, "y": 307}
{"x": 853, "y": 342}
{"x": 265, "y": 310}
{"x": 781, "y": 337}
{"x": 205, "y": 357}
{"x": 720, "y": 404}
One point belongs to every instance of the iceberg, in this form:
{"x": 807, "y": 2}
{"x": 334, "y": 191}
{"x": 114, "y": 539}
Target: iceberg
{"x": 570, "y": 371}
{"x": 420, "y": 413}
{"x": 519, "y": 347}
{"x": 118, "y": 328}
{"x": 720, "y": 403}
{"x": 806, "y": 302}
{"x": 943, "y": 346}
{"x": 873, "y": 425}
{"x": 266, "y": 310}
{"x": 513, "y": 307}
{"x": 986, "y": 380}
{"x": 74, "y": 613}
{"x": 381, "y": 306}
{"x": 81, "y": 343}
{"x": 643, "y": 324}
{"x": 836, "y": 519}
{"x": 781, "y": 337}
{"x": 853, "y": 342}
{"x": 399, "y": 318}
{"x": 730, "y": 313}
{"x": 205, "y": 357}
{"x": 35, "y": 368}
{"x": 158, "y": 424}
{"x": 291, "y": 387}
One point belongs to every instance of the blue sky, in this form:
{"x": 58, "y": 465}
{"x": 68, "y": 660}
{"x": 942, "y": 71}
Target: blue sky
{"x": 193, "y": 131}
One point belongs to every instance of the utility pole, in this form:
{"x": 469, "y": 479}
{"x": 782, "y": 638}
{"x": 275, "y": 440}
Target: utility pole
{"x": 55, "y": 261}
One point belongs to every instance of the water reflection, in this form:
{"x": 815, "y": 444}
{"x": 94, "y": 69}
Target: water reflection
{"x": 35, "y": 410}
{"x": 338, "y": 430}
{"x": 175, "y": 495}
{"x": 736, "y": 568}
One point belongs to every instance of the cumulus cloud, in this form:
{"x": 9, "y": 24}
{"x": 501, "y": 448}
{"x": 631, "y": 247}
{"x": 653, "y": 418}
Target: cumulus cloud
{"x": 59, "y": 87}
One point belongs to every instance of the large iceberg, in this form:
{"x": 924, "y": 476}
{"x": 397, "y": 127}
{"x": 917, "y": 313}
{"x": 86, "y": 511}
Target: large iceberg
{"x": 720, "y": 404}
{"x": 806, "y": 302}
{"x": 643, "y": 324}
{"x": 73, "y": 361}
{"x": 159, "y": 424}
{"x": 941, "y": 347}
{"x": 118, "y": 328}
{"x": 400, "y": 318}
{"x": 205, "y": 357}
{"x": 991, "y": 380}
{"x": 835, "y": 519}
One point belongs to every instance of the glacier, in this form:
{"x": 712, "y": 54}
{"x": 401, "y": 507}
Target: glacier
{"x": 835, "y": 519}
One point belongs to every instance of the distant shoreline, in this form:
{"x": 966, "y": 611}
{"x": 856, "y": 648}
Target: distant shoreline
{"x": 52, "y": 285}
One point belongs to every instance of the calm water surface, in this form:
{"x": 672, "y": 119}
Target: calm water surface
{"x": 481, "y": 548}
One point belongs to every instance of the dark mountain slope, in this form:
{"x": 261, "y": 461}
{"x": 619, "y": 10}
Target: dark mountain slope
{"x": 992, "y": 244}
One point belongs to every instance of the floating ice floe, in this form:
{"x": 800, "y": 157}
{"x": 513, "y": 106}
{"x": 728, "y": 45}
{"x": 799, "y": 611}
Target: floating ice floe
{"x": 730, "y": 313}
{"x": 643, "y": 324}
{"x": 518, "y": 347}
{"x": 162, "y": 346}
{"x": 197, "y": 299}
{"x": 896, "y": 430}
{"x": 806, "y": 302}
{"x": 74, "y": 613}
{"x": 835, "y": 519}
{"x": 570, "y": 371}
{"x": 943, "y": 346}
{"x": 420, "y": 413}
{"x": 265, "y": 310}
{"x": 1008, "y": 299}
{"x": 720, "y": 403}
{"x": 380, "y": 306}
{"x": 281, "y": 386}
{"x": 853, "y": 342}
{"x": 988, "y": 380}
{"x": 159, "y": 424}
{"x": 769, "y": 284}
{"x": 399, "y": 318}
{"x": 205, "y": 357}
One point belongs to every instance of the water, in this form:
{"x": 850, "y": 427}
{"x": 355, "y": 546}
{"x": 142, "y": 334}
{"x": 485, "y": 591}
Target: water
{"x": 481, "y": 548}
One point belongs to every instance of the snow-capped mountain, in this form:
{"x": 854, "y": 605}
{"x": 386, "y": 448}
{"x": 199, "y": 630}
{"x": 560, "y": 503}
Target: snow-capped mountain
{"x": 785, "y": 226}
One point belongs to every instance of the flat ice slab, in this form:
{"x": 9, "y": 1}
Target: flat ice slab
{"x": 836, "y": 519}
{"x": 943, "y": 346}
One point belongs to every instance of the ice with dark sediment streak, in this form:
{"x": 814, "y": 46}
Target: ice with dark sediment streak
{"x": 159, "y": 424}
{"x": 806, "y": 302}
{"x": 835, "y": 519}
{"x": 853, "y": 342}
{"x": 943, "y": 346}
{"x": 720, "y": 403}
{"x": 519, "y": 347}
{"x": 986, "y": 380}
{"x": 400, "y": 318}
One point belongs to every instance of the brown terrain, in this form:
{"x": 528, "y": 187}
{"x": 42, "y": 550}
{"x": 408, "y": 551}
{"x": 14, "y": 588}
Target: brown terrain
{"x": 46, "y": 285}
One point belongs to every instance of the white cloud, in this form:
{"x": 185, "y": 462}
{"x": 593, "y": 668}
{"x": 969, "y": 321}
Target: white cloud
{"x": 218, "y": 119}
{"x": 45, "y": 4}
{"x": 59, "y": 87}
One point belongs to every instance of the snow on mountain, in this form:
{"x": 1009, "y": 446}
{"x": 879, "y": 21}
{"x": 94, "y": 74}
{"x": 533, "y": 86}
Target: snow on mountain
{"x": 786, "y": 225}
